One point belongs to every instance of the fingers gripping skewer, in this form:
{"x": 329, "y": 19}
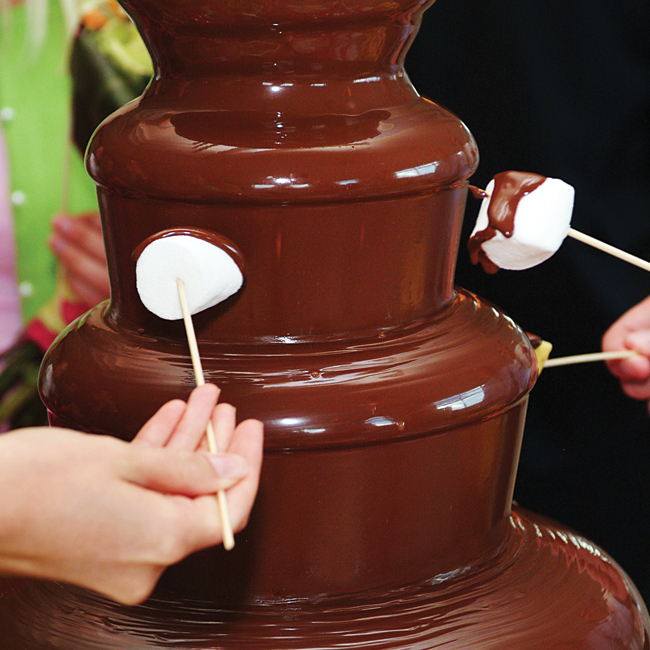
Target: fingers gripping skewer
{"x": 227, "y": 532}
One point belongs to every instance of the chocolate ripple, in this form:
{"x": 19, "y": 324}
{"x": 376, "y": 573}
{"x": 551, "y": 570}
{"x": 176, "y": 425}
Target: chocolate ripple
{"x": 546, "y": 583}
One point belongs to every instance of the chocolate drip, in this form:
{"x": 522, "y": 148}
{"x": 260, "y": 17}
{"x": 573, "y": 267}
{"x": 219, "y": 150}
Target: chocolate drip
{"x": 509, "y": 189}
{"x": 476, "y": 252}
{"x": 477, "y": 192}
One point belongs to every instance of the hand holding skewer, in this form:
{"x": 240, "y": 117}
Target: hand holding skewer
{"x": 632, "y": 331}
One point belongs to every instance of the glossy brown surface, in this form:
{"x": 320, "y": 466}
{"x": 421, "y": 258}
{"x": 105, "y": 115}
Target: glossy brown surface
{"x": 467, "y": 363}
{"x": 309, "y": 149}
{"x": 546, "y": 588}
{"x": 393, "y": 404}
{"x": 355, "y": 438}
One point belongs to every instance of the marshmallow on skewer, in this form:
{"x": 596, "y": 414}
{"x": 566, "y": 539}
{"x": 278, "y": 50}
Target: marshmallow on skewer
{"x": 163, "y": 269}
{"x": 523, "y": 220}
{"x": 209, "y": 273}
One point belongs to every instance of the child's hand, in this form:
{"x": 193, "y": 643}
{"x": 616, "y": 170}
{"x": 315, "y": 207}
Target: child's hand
{"x": 110, "y": 516}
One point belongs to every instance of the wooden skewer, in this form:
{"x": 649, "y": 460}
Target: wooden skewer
{"x": 612, "y": 250}
{"x": 586, "y": 358}
{"x": 228, "y": 536}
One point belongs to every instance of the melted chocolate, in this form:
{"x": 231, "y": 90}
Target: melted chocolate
{"x": 211, "y": 237}
{"x": 477, "y": 192}
{"x": 393, "y": 404}
{"x": 545, "y": 580}
{"x": 535, "y": 340}
{"x": 509, "y": 189}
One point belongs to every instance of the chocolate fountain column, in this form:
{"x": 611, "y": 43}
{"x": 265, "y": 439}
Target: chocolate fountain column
{"x": 393, "y": 405}
{"x": 295, "y": 134}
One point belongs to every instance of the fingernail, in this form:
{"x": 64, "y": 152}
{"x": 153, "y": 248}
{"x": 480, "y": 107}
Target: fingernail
{"x": 62, "y": 223}
{"x": 229, "y": 465}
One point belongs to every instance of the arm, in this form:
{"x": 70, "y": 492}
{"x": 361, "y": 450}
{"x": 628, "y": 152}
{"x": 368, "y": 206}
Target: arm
{"x": 110, "y": 516}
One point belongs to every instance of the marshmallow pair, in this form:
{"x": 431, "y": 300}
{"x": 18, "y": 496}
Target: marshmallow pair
{"x": 542, "y": 218}
{"x": 209, "y": 273}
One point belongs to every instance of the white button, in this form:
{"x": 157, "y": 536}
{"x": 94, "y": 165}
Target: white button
{"x": 18, "y": 197}
{"x": 7, "y": 113}
{"x": 25, "y": 289}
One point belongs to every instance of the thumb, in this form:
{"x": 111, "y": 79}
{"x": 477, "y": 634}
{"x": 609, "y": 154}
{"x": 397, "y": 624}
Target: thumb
{"x": 183, "y": 472}
{"x": 639, "y": 341}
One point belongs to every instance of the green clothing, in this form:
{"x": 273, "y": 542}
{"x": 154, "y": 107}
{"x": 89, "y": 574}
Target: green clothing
{"x": 35, "y": 102}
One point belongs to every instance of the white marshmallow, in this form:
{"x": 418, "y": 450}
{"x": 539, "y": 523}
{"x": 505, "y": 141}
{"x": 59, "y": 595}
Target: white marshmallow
{"x": 210, "y": 275}
{"x": 542, "y": 221}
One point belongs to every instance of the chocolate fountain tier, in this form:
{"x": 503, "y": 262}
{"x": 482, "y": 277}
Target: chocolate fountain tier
{"x": 293, "y": 132}
{"x": 430, "y": 415}
{"x": 546, "y": 588}
{"x": 466, "y": 363}
{"x": 339, "y": 237}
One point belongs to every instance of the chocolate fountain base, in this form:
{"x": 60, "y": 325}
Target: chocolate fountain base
{"x": 547, "y": 588}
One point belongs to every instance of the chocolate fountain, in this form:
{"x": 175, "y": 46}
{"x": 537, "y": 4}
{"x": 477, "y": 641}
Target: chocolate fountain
{"x": 393, "y": 403}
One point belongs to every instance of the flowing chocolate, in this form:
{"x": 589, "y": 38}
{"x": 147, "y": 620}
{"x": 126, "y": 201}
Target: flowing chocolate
{"x": 477, "y": 192}
{"x": 509, "y": 188}
{"x": 545, "y": 580}
{"x": 393, "y": 403}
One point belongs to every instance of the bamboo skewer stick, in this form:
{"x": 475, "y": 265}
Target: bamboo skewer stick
{"x": 607, "y": 248}
{"x": 228, "y": 537}
{"x": 587, "y": 358}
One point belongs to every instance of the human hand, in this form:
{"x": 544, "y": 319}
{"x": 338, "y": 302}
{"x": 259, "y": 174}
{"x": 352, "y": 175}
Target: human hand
{"x": 110, "y": 516}
{"x": 632, "y": 332}
{"x": 78, "y": 244}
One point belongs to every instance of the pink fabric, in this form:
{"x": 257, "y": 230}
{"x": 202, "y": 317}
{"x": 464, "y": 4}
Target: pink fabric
{"x": 10, "y": 319}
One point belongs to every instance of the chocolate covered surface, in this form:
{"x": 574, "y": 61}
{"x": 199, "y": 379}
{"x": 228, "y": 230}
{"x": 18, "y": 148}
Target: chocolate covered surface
{"x": 393, "y": 403}
{"x": 508, "y": 602}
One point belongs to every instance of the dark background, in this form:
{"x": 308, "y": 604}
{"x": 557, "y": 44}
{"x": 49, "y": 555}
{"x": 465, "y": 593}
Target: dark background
{"x": 563, "y": 89}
